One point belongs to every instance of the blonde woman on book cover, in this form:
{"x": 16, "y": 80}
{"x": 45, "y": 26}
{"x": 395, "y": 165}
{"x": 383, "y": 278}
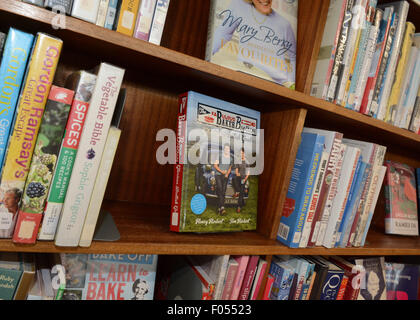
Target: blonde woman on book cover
{"x": 9, "y": 211}
{"x": 266, "y": 40}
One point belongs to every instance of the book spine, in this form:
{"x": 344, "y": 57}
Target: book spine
{"x": 210, "y": 30}
{"x": 144, "y": 19}
{"x": 111, "y": 14}
{"x": 392, "y": 104}
{"x": 376, "y": 61}
{"x": 377, "y": 191}
{"x": 394, "y": 58}
{"x": 277, "y": 272}
{"x": 415, "y": 120}
{"x": 40, "y": 74}
{"x": 336, "y": 70}
{"x": 343, "y": 287}
{"x": 268, "y": 285}
{"x": 412, "y": 94}
{"x": 230, "y": 278}
{"x": 243, "y": 262}
{"x": 334, "y": 50}
{"x": 101, "y": 182}
{"x": 367, "y": 62}
{"x": 85, "y": 10}
{"x": 350, "y": 164}
{"x": 221, "y": 277}
{"x": 39, "y": 178}
{"x": 102, "y": 13}
{"x": 179, "y": 164}
{"x": 305, "y": 171}
{"x": 302, "y": 269}
{"x": 128, "y": 16}
{"x": 314, "y": 201}
{"x": 351, "y": 47}
{"x": 88, "y": 157}
{"x": 360, "y": 55}
{"x": 248, "y": 278}
{"x": 330, "y": 196}
{"x": 375, "y": 110}
{"x": 331, "y": 285}
{"x": 326, "y": 184}
{"x": 158, "y": 24}
{"x": 258, "y": 279}
{"x": 67, "y": 155}
{"x": 379, "y": 157}
{"x": 17, "y": 51}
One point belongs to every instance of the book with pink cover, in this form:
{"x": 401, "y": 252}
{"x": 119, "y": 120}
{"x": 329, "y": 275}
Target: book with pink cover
{"x": 237, "y": 283}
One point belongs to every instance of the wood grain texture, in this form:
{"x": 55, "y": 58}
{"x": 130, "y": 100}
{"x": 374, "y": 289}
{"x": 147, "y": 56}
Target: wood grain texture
{"x": 311, "y": 23}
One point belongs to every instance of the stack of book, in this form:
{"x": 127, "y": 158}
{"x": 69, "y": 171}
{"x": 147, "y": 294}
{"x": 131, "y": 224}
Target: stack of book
{"x": 369, "y": 61}
{"x": 333, "y": 191}
{"x": 210, "y": 277}
{"x": 140, "y": 19}
{"x": 49, "y": 130}
{"x": 337, "y": 278}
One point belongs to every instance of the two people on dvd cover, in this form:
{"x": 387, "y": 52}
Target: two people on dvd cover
{"x": 264, "y": 38}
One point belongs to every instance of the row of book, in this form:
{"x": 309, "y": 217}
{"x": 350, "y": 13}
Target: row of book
{"x": 136, "y": 18}
{"x": 237, "y": 277}
{"x": 337, "y": 278}
{"x": 369, "y": 61}
{"x": 77, "y": 276}
{"x": 333, "y": 191}
{"x": 53, "y": 140}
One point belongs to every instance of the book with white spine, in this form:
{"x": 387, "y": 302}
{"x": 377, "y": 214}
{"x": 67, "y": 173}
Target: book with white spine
{"x": 102, "y": 12}
{"x": 158, "y": 23}
{"x": 86, "y": 10}
{"x": 89, "y": 155}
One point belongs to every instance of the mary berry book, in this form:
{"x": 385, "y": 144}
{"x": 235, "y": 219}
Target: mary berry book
{"x": 218, "y": 161}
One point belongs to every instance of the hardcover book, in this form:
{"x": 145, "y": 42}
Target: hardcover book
{"x": 144, "y": 19}
{"x": 82, "y": 83}
{"x": 255, "y": 37}
{"x": 215, "y": 186}
{"x": 128, "y": 16}
{"x": 109, "y": 276}
{"x": 258, "y": 279}
{"x": 402, "y": 281}
{"x": 331, "y": 285}
{"x": 373, "y": 286}
{"x": 43, "y": 163}
{"x": 91, "y": 147}
{"x": 86, "y": 10}
{"x": 17, "y": 51}
{"x": 283, "y": 274}
{"x": 158, "y": 24}
{"x": 400, "y": 199}
{"x": 239, "y": 277}
{"x": 39, "y": 76}
{"x": 300, "y": 189}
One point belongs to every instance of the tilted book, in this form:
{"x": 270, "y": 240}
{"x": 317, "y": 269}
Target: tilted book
{"x": 83, "y": 84}
{"x": 328, "y": 48}
{"x": 17, "y": 51}
{"x": 39, "y": 76}
{"x": 89, "y": 155}
{"x": 401, "y": 200}
{"x": 373, "y": 286}
{"x": 43, "y": 163}
{"x": 144, "y": 19}
{"x": 215, "y": 184}
{"x": 86, "y": 10}
{"x": 258, "y": 39}
{"x": 158, "y": 24}
{"x": 128, "y": 16}
{"x": 300, "y": 189}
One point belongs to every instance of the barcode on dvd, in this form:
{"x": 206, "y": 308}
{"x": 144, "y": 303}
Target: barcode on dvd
{"x": 283, "y": 231}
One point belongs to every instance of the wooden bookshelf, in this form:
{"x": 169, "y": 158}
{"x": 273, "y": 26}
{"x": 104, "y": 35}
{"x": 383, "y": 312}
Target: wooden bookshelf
{"x": 139, "y": 191}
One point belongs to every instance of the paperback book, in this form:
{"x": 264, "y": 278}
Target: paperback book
{"x": 255, "y": 37}
{"x": 215, "y": 186}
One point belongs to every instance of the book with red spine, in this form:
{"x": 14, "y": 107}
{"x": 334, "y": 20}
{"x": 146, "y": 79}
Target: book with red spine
{"x": 353, "y": 274}
{"x": 237, "y": 283}
{"x": 258, "y": 279}
{"x": 268, "y": 285}
{"x": 248, "y": 278}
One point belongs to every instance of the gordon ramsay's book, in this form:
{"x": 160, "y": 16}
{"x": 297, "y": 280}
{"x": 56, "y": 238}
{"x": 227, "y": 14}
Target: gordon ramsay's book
{"x": 255, "y": 37}
{"x": 216, "y": 168}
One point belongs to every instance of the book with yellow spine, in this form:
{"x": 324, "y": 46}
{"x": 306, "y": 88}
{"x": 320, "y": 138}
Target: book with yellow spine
{"x": 392, "y": 107}
{"x": 128, "y": 16}
{"x": 38, "y": 81}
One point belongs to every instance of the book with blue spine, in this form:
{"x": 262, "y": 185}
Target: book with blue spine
{"x": 111, "y": 14}
{"x": 283, "y": 278}
{"x": 352, "y": 203}
{"x": 300, "y": 189}
{"x": 332, "y": 282}
{"x": 17, "y": 51}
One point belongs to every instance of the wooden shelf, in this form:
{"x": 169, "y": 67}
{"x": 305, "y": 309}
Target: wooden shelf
{"x": 144, "y": 230}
